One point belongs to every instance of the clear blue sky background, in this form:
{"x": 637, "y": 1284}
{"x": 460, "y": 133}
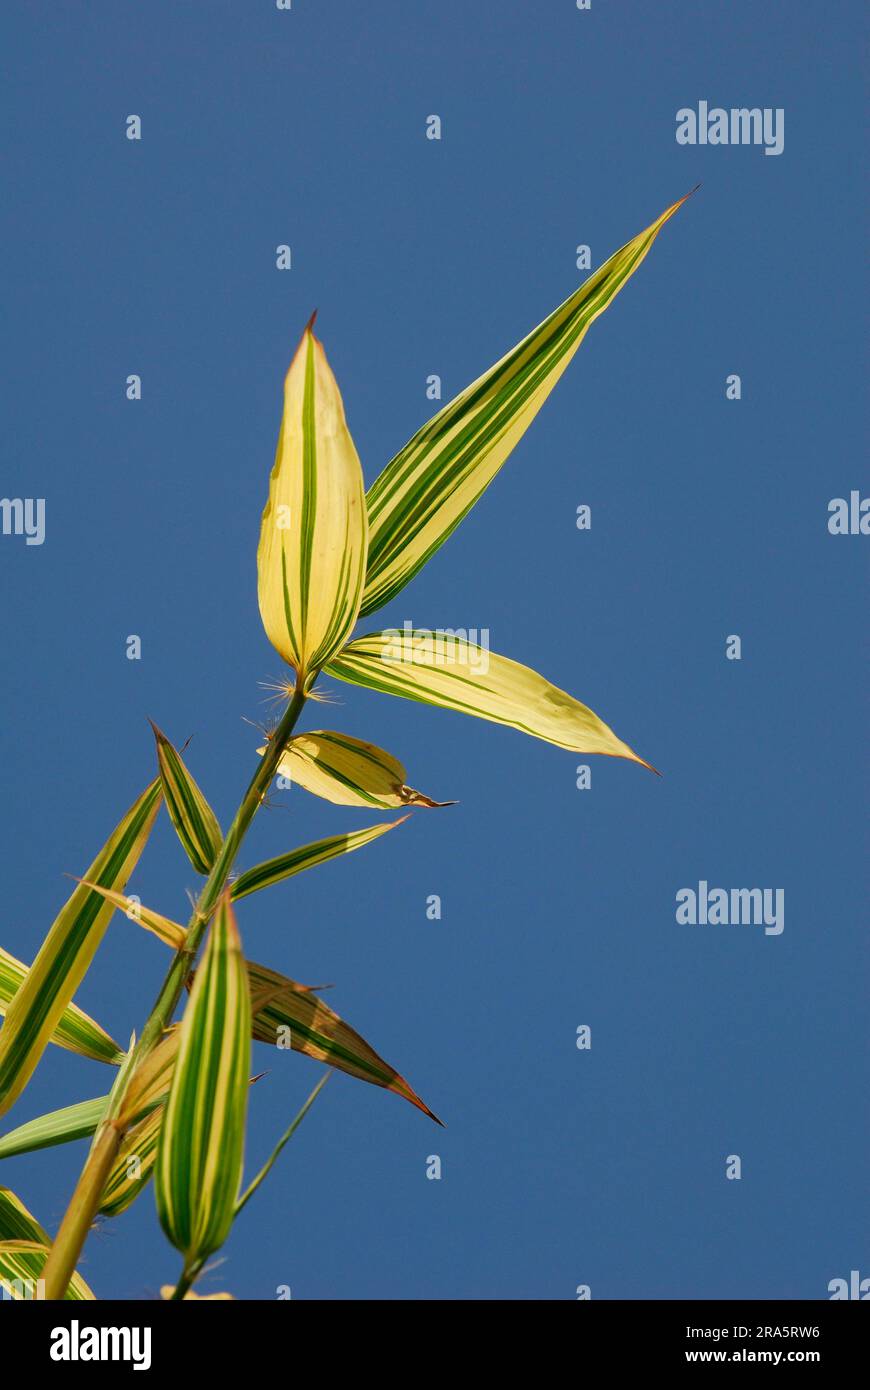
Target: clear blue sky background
{"x": 560, "y": 1167}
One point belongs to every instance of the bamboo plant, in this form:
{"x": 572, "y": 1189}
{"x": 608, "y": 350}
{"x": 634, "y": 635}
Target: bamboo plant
{"x": 329, "y": 554}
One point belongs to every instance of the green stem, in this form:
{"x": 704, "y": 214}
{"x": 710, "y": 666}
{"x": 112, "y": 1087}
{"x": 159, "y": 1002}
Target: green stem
{"x": 285, "y": 1137}
{"x": 83, "y": 1207}
{"x": 188, "y": 1275}
{"x": 173, "y": 985}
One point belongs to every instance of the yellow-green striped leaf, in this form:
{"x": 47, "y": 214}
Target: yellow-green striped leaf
{"x": 312, "y": 553}
{"x": 167, "y": 1291}
{"x": 77, "y": 1121}
{"x": 133, "y": 1164}
{"x": 135, "y": 1159}
{"x": 152, "y": 1078}
{"x": 21, "y": 1266}
{"x": 193, "y": 818}
{"x": 445, "y": 670}
{"x": 200, "y": 1153}
{"x": 16, "y": 1222}
{"x": 285, "y": 865}
{"x": 68, "y": 950}
{"x": 23, "y": 1251}
{"x": 75, "y": 1031}
{"x": 168, "y": 931}
{"x": 296, "y": 1015}
{"x": 349, "y": 772}
{"x": 433, "y": 482}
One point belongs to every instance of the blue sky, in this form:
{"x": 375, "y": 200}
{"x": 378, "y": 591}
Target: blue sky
{"x": 709, "y": 518}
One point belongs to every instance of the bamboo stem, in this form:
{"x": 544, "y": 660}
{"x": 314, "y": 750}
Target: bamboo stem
{"x": 85, "y": 1201}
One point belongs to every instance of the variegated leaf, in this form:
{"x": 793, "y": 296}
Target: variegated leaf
{"x": 152, "y": 1079}
{"x": 349, "y": 772}
{"x": 77, "y": 1121}
{"x": 169, "y": 932}
{"x": 68, "y": 949}
{"x": 21, "y": 1265}
{"x": 200, "y": 1150}
{"x": 298, "y": 1015}
{"x": 23, "y": 1251}
{"x": 133, "y": 1164}
{"x": 193, "y": 818}
{"x": 76, "y": 1030}
{"x": 312, "y": 554}
{"x": 305, "y": 857}
{"x": 441, "y": 668}
{"x": 433, "y": 482}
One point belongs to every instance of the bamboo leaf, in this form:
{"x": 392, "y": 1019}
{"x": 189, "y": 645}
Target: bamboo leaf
{"x": 312, "y": 553}
{"x": 70, "y": 946}
{"x": 77, "y": 1121}
{"x": 200, "y": 1151}
{"x": 169, "y": 932}
{"x": 167, "y": 1291}
{"x": 152, "y": 1079}
{"x": 193, "y": 818}
{"x": 286, "y": 865}
{"x": 433, "y": 482}
{"x": 116, "y": 1096}
{"x": 143, "y": 1113}
{"x": 148, "y": 1089}
{"x": 349, "y": 772}
{"x": 75, "y": 1031}
{"x": 23, "y": 1251}
{"x": 133, "y": 1164}
{"x": 294, "y": 1013}
{"x": 446, "y": 670}
{"x": 21, "y": 1266}
{"x": 135, "y": 1160}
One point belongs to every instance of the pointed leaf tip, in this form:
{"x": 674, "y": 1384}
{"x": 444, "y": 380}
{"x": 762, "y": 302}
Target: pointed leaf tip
{"x": 349, "y": 772}
{"x": 425, "y": 665}
{"x": 314, "y": 534}
{"x": 40, "y": 1004}
{"x": 200, "y": 1149}
{"x": 195, "y": 822}
{"x": 282, "y": 1006}
{"x": 426, "y": 490}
